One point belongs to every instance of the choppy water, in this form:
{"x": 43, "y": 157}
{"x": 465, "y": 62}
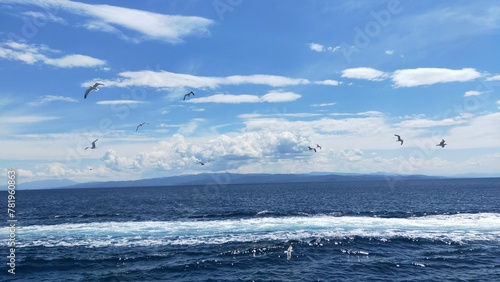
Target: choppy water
{"x": 426, "y": 230}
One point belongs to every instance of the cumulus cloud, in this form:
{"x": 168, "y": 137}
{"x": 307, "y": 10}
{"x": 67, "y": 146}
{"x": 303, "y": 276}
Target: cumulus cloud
{"x": 428, "y": 76}
{"x": 31, "y": 54}
{"x": 353, "y": 155}
{"x": 364, "y": 73}
{"x": 151, "y": 26}
{"x": 316, "y": 47}
{"x": 176, "y": 154}
{"x": 51, "y": 98}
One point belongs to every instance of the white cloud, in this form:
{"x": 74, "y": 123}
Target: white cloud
{"x": 151, "y": 26}
{"x": 165, "y": 79}
{"x": 51, "y": 98}
{"x": 271, "y": 97}
{"x": 279, "y": 97}
{"x": 316, "y": 47}
{"x": 271, "y": 80}
{"x": 328, "y": 82}
{"x": 353, "y": 155}
{"x": 422, "y": 122}
{"x": 323, "y": 105}
{"x": 493, "y": 78}
{"x": 472, "y": 93}
{"x": 479, "y": 132}
{"x": 364, "y": 73}
{"x": 428, "y": 76}
{"x": 48, "y": 17}
{"x": 31, "y": 54}
{"x": 226, "y": 98}
{"x": 27, "y": 119}
{"x": 320, "y": 48}
{"x": 190, "y": 127}
{"x": 71, "y": 61}
{"x": 333, "y": 49}
{"x": 120, "y": 102}
{"x": 294, "y": 115}
{"x": 389, "y": 52}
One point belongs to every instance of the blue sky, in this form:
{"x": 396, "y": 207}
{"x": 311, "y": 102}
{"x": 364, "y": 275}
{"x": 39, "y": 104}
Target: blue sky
{"x": 269, "y": 79}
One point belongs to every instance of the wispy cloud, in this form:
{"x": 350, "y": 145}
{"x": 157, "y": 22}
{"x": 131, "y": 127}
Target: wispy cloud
{"x": 27, "y": 119}
{"x": 473, "y": 93}
{"x": 51, "y": 98}
{"x": 493, "y": 78}
{"x": 271, "y": 97}
{"x": 31, "y": 54}
{"x": 423, "y": 122}
{"x": 328, "y": 82}
{"x": 428, "y": 76}
{"x": 44, "y": 17}
{"x": 292, "y": 115}
{"x": 114, "y": 19}
{"x": 364, "y": 73}
{"x": 165, "y": 79}
{"x": 323, "y": 105}
{"x": 120, "y": 102}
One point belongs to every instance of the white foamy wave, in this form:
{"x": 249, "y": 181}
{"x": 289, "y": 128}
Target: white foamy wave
{"x": 454, "y": 228}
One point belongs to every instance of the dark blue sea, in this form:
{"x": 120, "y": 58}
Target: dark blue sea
{"x": 418, "y": 230}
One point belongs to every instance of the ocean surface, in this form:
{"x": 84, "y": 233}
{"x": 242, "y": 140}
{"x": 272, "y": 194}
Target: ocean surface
{"x": 418, "y": 230}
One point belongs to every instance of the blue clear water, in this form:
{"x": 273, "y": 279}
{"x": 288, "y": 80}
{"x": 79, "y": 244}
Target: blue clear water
{"x": 423, "y": 230}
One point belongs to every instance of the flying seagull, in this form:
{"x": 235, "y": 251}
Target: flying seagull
{"x": 200, "y": 162}
{"x": 442, "y": 144}
{"x": 318, "y": 146}
{"x": 289, "y": 252}
{"x": 312, "y": 148}
{"x": 141, "y": 125}
{"x": 93, "y": 145}
{"x": 399, "y": 139}
{"x": 94, "y": 87}
{"x": 188, "y": 94}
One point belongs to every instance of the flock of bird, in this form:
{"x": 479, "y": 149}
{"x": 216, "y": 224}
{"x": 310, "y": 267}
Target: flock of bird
{"x": 95, "y": 87}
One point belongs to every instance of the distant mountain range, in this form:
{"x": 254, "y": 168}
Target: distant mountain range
{"x": 233, "y": 178}
{"x": 46, "y": 184}
{"x": 216, "y": 178}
